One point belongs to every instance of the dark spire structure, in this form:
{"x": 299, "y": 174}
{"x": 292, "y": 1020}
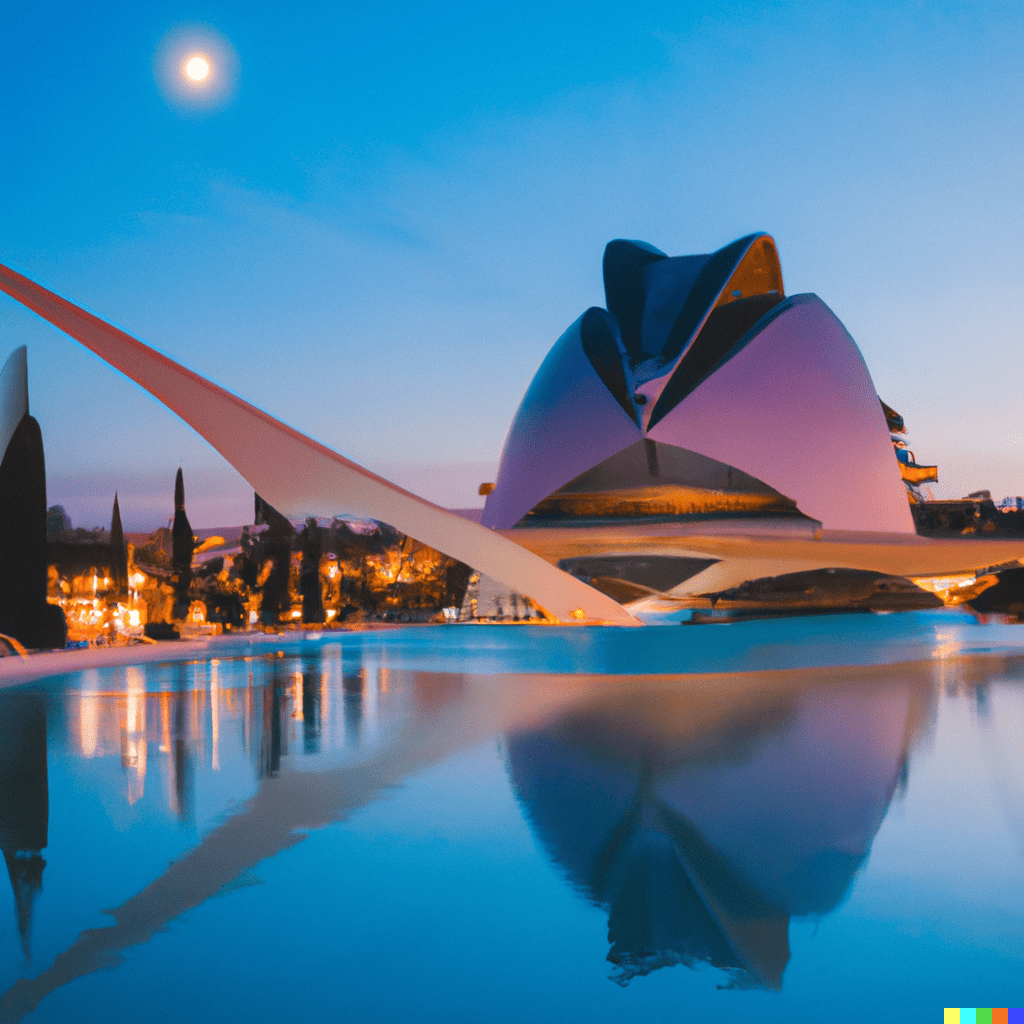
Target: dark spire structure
{"x": 182, "y": 547}
{"x": 118, "y": 554}
{"x": 24, "y": 611}
{"x": 24, "y": 801}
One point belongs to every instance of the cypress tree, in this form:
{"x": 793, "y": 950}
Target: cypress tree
{"x": 182, "y": 547}
{"x": 118, "y": 554}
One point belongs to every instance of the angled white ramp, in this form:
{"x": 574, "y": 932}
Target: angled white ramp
{"x": 300, "y": 477}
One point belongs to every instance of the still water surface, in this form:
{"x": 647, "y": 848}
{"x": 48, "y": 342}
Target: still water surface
{"x": 372, "y": 830}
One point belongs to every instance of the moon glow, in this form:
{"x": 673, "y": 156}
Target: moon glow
{"x": 197, "y": 68}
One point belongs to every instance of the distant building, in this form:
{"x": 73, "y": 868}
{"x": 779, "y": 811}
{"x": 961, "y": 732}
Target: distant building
{"x": 913, "y": 475}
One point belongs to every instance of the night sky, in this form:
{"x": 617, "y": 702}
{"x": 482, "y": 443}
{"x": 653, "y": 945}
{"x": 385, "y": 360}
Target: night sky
{"x": 389, "y": 213}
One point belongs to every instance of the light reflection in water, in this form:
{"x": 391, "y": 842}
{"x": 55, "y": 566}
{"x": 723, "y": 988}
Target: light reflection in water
{"x": 701, "y": 814}
{"x": 88, "y": 714}
{"x": 214, "y": 714}
{"x": 133, "y": 733}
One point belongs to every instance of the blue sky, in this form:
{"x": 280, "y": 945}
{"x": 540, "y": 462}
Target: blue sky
{"x": 412, "y": 202}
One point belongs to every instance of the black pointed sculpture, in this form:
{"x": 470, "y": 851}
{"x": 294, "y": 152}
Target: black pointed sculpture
{"x": 24, "y": 611}
{"x": 182, "y": 547}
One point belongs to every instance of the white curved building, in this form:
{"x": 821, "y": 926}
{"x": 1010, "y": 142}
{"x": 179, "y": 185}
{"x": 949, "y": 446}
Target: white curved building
{"x": 695, "y": 392}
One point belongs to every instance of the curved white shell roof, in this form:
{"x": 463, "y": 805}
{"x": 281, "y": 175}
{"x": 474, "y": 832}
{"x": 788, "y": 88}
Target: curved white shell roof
{"x": 796, "y": 408}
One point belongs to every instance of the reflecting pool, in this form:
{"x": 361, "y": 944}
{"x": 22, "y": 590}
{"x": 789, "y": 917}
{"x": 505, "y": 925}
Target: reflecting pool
{"x": 505, "y": 824}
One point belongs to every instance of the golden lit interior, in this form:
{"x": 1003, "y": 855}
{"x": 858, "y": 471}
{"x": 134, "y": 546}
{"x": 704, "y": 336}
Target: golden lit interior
{"x": 658, "y": 500}
{"x": 759, "y": 273}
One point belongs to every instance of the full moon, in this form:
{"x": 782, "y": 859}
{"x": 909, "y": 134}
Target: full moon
{"x": 197, "y": 68}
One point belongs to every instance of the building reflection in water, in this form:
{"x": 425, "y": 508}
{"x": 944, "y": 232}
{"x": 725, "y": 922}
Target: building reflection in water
{"x": 702, "y": 820}
{"x": 24, "y": 800}
{"x": 701, "y": 813}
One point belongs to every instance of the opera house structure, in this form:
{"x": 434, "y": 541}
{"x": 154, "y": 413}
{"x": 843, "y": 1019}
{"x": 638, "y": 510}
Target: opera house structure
{"x": 692, "y": 393}
{"x": 659, "y": 459}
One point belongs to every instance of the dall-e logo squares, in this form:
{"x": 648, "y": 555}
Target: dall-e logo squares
{"x": 982, "y": 1015}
